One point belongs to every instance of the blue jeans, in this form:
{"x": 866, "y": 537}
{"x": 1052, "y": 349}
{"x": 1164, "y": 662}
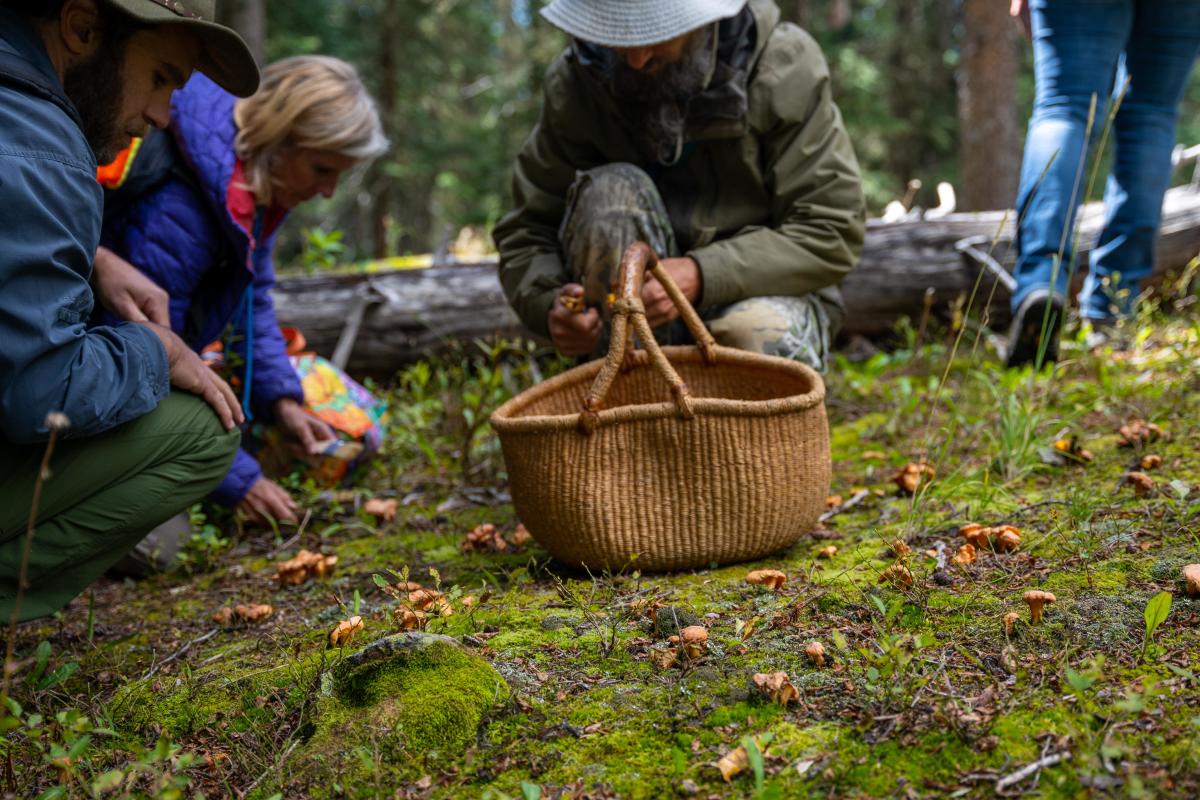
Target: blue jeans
{"x": 1083, "y": 48}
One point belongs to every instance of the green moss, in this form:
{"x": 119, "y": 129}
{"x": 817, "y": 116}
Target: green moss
{"x": 430, "y": 696}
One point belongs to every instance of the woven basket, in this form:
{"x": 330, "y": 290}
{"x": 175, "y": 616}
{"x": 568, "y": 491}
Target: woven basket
{"x": 667, "y": 458}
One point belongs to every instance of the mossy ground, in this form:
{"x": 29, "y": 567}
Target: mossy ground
{"x": 922, "y": 695}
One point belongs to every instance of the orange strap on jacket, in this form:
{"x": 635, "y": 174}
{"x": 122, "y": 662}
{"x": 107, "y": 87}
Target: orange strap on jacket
{"x": 112, "y": 176}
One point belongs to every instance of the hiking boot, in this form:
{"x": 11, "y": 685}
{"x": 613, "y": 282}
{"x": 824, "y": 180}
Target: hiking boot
{"x": 1105, "y": 334}
{"x": 158, "y": 551}
{"x": 1028, "y": 342}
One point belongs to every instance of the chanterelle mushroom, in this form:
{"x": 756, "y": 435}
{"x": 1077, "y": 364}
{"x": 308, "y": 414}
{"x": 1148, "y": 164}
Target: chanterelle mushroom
{"x": 693, "y": 640}
{"x": 898, "y": 575}
{"x": 1010, "y": 620}
{"x": 1008, "y": 538}
{"x": 772, "y": 579}
{"x": 816, "y": 651}
{"x": 1036, "y": 598}
{"x": 1191, "y": 580}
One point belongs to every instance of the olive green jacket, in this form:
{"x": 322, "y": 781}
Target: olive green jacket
{"x": 767, "y": 198}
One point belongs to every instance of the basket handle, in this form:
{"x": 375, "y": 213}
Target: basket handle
{"x": 629, "y": 315}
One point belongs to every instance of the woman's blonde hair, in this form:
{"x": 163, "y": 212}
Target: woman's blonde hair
{"x": 315, "y": 102}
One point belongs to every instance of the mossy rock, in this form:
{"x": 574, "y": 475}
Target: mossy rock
{"x": 422, "y": 692}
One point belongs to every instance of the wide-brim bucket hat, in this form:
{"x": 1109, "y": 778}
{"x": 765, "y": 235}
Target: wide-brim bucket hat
{"x": 636, "y": 23}
{"x": 226, "y": 58}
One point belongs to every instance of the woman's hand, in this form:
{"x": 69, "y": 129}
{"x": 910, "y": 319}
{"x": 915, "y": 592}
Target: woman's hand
{"x": 267, "y": 500}
{"x": 304, "y": 429}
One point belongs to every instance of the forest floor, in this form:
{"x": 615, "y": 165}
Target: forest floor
{"x": 134, "y": 689}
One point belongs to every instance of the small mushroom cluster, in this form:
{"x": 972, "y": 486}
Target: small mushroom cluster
{"x": 304, "y": 566}
{"x": 1138, "y": 432}
{"x": 1072, "y": 449}
{"x": 771, "y": 579}
{"x": 248, "y": 612}
{"x": 1002, "y": 538}
{"x": 345, "y": 631}
{"x": 898, "y": 575}
{"x": 485, "y": 538}
{"x": 690, "y": 644}
{"x": 777, "y": 687}
{"x": 912, "y": 475}
{"x": 1142, "y": 483}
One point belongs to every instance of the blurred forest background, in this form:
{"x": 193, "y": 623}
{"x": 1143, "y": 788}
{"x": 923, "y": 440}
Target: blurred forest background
{"x": 937, "y": 90}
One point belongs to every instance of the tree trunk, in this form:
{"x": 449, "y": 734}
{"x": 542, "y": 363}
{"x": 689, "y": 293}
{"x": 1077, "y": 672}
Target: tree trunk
{"x": 990, "y": 144}
{"x": 410, "y": 314}
{"x": 249, "y": 18}
{"x": 381, "y": 209}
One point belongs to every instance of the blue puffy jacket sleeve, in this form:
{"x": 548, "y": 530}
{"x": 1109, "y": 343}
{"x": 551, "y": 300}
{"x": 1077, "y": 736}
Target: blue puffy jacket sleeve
{"x": 273, "y": 378}
{"x": 241, "y": 476}
{"x": 49, "y": 360}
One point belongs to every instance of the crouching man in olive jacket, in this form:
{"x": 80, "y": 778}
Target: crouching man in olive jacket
{"x": 706, "y": 128}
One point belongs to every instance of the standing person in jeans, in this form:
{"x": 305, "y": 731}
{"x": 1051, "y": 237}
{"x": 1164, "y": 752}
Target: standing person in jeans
{"x": 78, "y": 79}
{"x": 1081, "y": 49}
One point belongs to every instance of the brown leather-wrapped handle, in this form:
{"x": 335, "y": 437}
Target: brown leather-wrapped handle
{"x": 629, "y": 315}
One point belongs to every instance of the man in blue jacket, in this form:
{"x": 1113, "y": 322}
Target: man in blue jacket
{"x": 78, "y": 79}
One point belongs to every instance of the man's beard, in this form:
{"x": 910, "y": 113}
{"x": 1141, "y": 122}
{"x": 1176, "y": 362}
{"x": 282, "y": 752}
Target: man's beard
{"x": 657, "y": 104}
{"x": 94, "y": 87}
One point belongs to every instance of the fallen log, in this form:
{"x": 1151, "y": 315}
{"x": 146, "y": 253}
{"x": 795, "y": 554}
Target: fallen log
{"x": 399, "y": 316}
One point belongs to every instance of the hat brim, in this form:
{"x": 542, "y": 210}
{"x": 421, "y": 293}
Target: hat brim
{"x": 638, "y": 24}
{"x": 225, "y": 59}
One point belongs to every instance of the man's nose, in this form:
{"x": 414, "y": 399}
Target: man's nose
{"x": 637, "y": 57}
{"x": 158, "y": 113}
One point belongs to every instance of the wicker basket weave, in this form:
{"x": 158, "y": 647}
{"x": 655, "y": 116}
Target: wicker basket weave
{"x": 608, "y": 468}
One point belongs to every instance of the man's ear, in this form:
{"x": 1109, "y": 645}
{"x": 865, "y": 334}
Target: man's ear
{"x": 79, "y": 28}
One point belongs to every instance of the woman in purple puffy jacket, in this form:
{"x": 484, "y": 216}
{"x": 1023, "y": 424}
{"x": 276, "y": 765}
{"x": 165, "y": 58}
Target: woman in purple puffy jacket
{"x": 208, "y": 197}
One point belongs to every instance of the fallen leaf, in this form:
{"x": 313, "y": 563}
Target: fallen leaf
{"x": 345, "y": 631}
{"x": 900, "y": 548}
{"x": 772, "y": 579}
{"x": 382, "y": 509}
{"x": 664, "y": 659}
{"x": 827, "y": 552}
{"x": 776, "y": 687}
{"x": 874, "y": 455}
{"x": 733, "y": 762}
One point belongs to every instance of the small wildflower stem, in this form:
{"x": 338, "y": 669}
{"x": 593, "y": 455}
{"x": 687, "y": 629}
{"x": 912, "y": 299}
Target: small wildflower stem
{"x": 43, "y": 472}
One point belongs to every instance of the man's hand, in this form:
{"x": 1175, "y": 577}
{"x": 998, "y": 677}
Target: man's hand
{"x": 127, "y": 292}
{"x": 574, "y": 334}
{"x": 189, "y": 373}
{"x": 304, "y": 429}
{"x": 267, "y": 500}
{"x": 1019, "y": 10}
{"x": 659, "y": 308}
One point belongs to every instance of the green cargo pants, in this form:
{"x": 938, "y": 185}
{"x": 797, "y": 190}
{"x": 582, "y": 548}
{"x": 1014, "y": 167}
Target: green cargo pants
{"x": 610, "y": 207}
{"x": 103, "y": 495}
